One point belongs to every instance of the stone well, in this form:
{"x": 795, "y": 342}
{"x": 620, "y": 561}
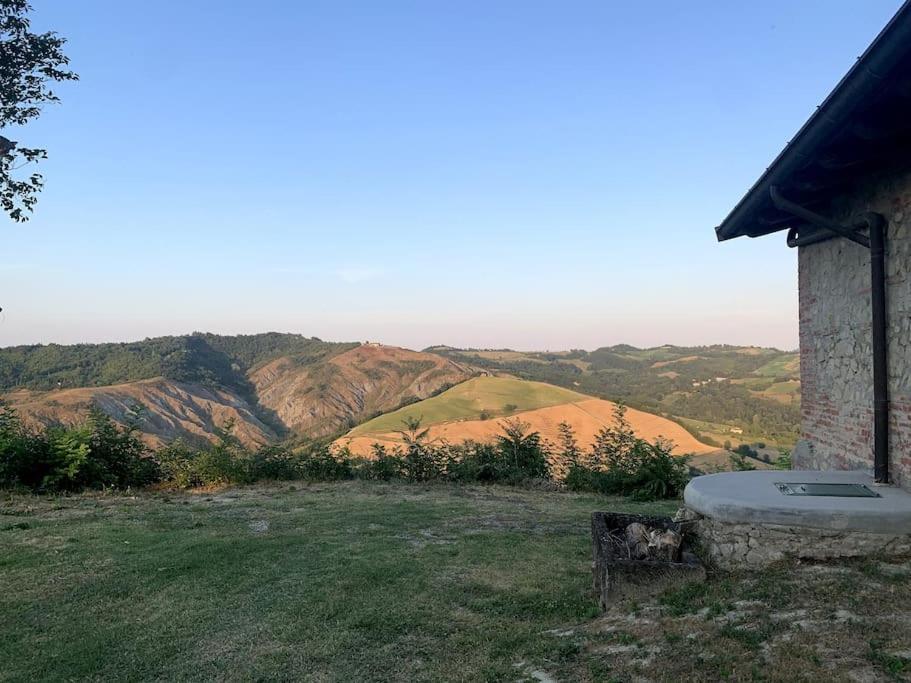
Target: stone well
{"x": 744, "y": 521}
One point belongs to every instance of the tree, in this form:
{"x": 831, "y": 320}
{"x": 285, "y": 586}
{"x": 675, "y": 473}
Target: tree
{"x": 413, "y": 436}
{"x": 569, "y": 446}
{"x": 615, "y": 447}
{"x": 28, "y": 63}
{"x": 523, "y": 449}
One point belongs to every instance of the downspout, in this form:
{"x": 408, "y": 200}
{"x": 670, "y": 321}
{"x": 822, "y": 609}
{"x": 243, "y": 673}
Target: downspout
{"x": 875, "y": 241}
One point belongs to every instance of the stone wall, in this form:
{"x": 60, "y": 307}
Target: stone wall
{"x": 836, "y": 343}
{"x": 731, "y": 546}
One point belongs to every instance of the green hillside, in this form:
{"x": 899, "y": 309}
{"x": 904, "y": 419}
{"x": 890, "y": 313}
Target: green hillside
{"x": 200, "y": 357}
{"x": 752, "y": 389}
{"x": 496, "y": 395}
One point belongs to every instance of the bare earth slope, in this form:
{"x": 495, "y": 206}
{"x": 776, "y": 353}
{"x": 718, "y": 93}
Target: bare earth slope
{"x": 587, "y": 417}
{"x": 308, "y": 397}
{"x": 351, "y": 387}
{"x": 171, "y": 409}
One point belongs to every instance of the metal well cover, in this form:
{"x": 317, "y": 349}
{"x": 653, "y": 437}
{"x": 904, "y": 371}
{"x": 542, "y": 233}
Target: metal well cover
{"x": 793, "y": 488}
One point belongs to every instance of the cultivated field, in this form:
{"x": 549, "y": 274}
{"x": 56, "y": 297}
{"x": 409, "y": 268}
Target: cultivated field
{"x": 454, "y": 416}
{"x": 362, "y": 581}
{"x": 467, "y": 400}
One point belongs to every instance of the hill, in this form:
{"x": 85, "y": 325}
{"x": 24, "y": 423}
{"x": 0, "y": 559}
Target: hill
{"x": 493, "y": 396}
{"x": 276, "y": 386}
{"x": 170, "y": 409}
{"x": 471, "y": 410}
{"x": 271, "y": 386}
{"x": 724, "y": 392}
{"x": 326, "y": 398}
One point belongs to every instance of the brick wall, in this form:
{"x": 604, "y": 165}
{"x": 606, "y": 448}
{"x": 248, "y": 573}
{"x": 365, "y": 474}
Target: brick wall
{"x": 835, "y": 340}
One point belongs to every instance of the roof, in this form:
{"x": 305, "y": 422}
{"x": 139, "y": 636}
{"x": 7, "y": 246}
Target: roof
{"x": 864, "y": 124}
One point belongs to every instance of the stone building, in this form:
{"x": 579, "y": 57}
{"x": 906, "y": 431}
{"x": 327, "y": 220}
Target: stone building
{"x": 845, "y": 173}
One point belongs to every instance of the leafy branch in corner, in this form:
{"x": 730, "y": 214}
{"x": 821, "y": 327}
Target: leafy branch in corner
{"x": 29, "y": 62}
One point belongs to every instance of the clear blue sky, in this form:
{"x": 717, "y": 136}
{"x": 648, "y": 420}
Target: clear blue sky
{"x": 525, "y": 174}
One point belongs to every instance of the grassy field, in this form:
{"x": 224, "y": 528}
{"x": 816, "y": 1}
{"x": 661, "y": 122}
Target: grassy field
{"x": 468, "y": 399}
{"x": 787, "y": 366}
{"x": 391, "y": 582}
{"x": 326, "y": 582}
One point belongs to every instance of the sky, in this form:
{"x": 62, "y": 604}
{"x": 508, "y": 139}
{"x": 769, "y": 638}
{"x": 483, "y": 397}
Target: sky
{"x": 534, "y": 175}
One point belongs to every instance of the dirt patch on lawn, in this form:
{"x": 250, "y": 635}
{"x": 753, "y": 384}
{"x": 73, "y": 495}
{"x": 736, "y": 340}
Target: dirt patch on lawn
{"x": 801, "y": 622}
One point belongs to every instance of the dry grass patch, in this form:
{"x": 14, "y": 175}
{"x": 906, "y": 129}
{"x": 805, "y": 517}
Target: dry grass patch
{"x": 805, "y": 622}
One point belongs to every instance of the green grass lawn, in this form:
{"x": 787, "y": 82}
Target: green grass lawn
{"x": 468, "y": 399}
{"x": 340, "y": 582}
{"x": 364, "y": 581}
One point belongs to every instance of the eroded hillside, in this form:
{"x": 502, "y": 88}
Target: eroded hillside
{"x": 269, "y": 386}
{"x": 351, "y": 387}
{"x": 170, "y": 409}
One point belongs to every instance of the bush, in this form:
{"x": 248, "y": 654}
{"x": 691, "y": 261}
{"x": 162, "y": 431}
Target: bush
{"x": 275, "y": 462}
{"x": 523, "y": 454}
{"x": 384, "y": 465}
{"x": 657, "y": 475}
{"x": 621, "y": 463}
{"x": 95, "y": 454}
{"x": 747, "y": 452}
{"x": 99, "y": 453}
{"x": 739, "y": 463}
{"x": 319, "y": 464}
{"x": 178, "y": 464}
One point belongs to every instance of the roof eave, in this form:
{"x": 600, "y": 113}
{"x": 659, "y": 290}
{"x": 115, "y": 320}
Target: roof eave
{"x": 887, "y": 50}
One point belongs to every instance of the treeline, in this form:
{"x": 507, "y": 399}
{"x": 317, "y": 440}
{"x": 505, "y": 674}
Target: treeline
{"x": 199, "y": 357}
{"x": 101, "y": 454}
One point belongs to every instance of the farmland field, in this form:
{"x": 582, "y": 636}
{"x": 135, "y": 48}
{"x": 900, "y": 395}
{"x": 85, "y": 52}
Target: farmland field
{"x": 468, "y": 399}
{"x": 456, "y": 416}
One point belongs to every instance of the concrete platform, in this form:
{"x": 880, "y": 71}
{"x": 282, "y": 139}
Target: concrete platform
{"x": 752, "y": 498}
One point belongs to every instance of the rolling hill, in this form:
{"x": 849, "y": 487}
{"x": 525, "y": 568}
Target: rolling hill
{"x": 475, "y": 409}
{"x": 272, "y": 386}
{"x": 170, "y": 409}
{"x": 276, "y": 386}
{"x": 495, "y": 396}
{"x": 732, "y": 393}
{"x": 326, "y": 398}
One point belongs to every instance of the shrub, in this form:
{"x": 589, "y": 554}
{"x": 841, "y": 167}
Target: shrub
{"x": 745, "y": 450}
{"x": 621, "y": 463}
{"x": 96, "y": 454}
{"x": 384, "y": 465}
{"x": 524, "y": 453}
{"x": 275, "y": 462}
{"x": 657, "y": 474}
{"x": 178, "y": 464}
{"x": 319, "y": 464}
{"x": 470, "y": 461}
{"x": 739, "y": 463}
{"x": 422, "y": 461}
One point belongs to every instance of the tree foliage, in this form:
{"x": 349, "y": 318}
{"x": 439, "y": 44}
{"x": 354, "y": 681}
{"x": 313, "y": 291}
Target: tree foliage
{"x": 29, "y": 62}
{"x": 208, "y": 359}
